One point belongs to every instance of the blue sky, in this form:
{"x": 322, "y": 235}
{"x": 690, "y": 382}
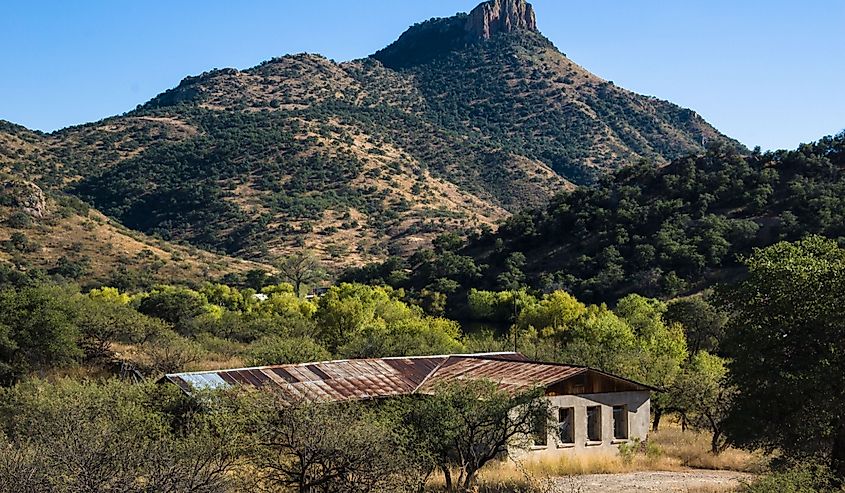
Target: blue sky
{"x": 769, "y": 73}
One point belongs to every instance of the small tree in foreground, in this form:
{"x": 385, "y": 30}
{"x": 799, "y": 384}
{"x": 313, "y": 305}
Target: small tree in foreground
{"x": 465, "y": 425}
{"x": 703, "y": 396}
{"x": 114, "y": 438}
{"x": 314, "y": 447}
{"x": 37, "y": 330}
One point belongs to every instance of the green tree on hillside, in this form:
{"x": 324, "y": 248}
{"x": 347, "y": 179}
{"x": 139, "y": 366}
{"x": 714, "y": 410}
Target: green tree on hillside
{"x": 703, "y": 323}
{"x": 512, "y": 279}
{"x": 656, "y": 231}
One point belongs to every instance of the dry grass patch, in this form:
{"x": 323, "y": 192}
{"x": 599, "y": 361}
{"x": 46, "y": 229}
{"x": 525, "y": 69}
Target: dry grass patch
{"x": 669, "y": 449}
{"x": 692, "y": 449}
{"x": 565, "y": 465}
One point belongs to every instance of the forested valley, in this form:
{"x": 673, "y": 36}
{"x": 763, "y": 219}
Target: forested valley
{"x": 79, "y": 407}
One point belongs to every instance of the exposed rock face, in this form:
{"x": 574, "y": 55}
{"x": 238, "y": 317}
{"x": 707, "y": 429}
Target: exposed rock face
{"x": 26, "y": 196}
{"x": 498, "y": 16}
{"x": 33, "y": 202}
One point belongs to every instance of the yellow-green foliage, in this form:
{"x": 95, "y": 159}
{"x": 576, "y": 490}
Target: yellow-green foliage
{"x": 285, "y": 304}
{"x": 554, "y": 314}
{"x": 109, "y": 294}
{"x": 632, "y": 340}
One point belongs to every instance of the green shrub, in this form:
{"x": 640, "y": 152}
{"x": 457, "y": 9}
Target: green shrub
{"x": 652, "y": 450}
{"x": 276, "y": 350}
{"x": 72, "y": 268}
{"x": 113, "y": 438}
{"x": 803, "y": 479}
{"x": 627, "y": 451}
{"x": 19, "y": 220}
{"x": 169, "y": 352}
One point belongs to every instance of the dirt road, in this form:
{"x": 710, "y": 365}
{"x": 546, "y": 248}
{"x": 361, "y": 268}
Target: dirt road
{"x": 653, "y": 482}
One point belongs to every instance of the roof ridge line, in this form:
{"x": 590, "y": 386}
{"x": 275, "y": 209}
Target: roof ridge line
{"x": 532, "y": 361}
{"x": 432, "y": 372}
{"x": 344, "y": 360}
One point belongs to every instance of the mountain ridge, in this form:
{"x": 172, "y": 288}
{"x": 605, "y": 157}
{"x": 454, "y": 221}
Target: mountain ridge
{"x": 362, "y": 159}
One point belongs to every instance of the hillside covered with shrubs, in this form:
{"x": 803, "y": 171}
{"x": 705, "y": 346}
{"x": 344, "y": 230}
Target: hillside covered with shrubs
{"x": 358, "y": 160}
{"x": 659, "y": 232}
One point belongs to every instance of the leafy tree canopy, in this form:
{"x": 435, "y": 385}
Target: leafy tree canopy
{"x": 787, "y": 343}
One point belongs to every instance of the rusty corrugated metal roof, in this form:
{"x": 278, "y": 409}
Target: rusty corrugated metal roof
{"x": 384, "y": 377}
{"x": 328, "y": 380}
{"x": 510, "y": 375}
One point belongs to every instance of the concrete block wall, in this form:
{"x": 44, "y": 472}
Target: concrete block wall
{"x": 639, "y": 417}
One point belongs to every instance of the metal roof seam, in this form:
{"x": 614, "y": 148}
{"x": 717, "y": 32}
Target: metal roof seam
{"x": 432, "y": 372}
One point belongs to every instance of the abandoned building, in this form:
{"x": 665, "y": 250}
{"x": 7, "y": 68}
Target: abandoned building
{"x": 593, "y": 411}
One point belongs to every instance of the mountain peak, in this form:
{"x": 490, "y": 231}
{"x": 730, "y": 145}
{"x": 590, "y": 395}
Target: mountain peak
{"x": 428, "y": 40}
{"x": 495, "y": 16}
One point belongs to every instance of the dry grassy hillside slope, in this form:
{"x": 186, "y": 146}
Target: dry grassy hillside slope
{"x": 454, "y": 127}
{"x": 65, "y": 238}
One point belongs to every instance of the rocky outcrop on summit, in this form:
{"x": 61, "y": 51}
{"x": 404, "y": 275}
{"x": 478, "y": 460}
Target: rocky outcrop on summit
{"x": 503, "y": 16}
{"x": 435, "y": 38}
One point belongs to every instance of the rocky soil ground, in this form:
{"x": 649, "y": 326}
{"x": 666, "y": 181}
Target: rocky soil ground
{"x": 653, "y": 482}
